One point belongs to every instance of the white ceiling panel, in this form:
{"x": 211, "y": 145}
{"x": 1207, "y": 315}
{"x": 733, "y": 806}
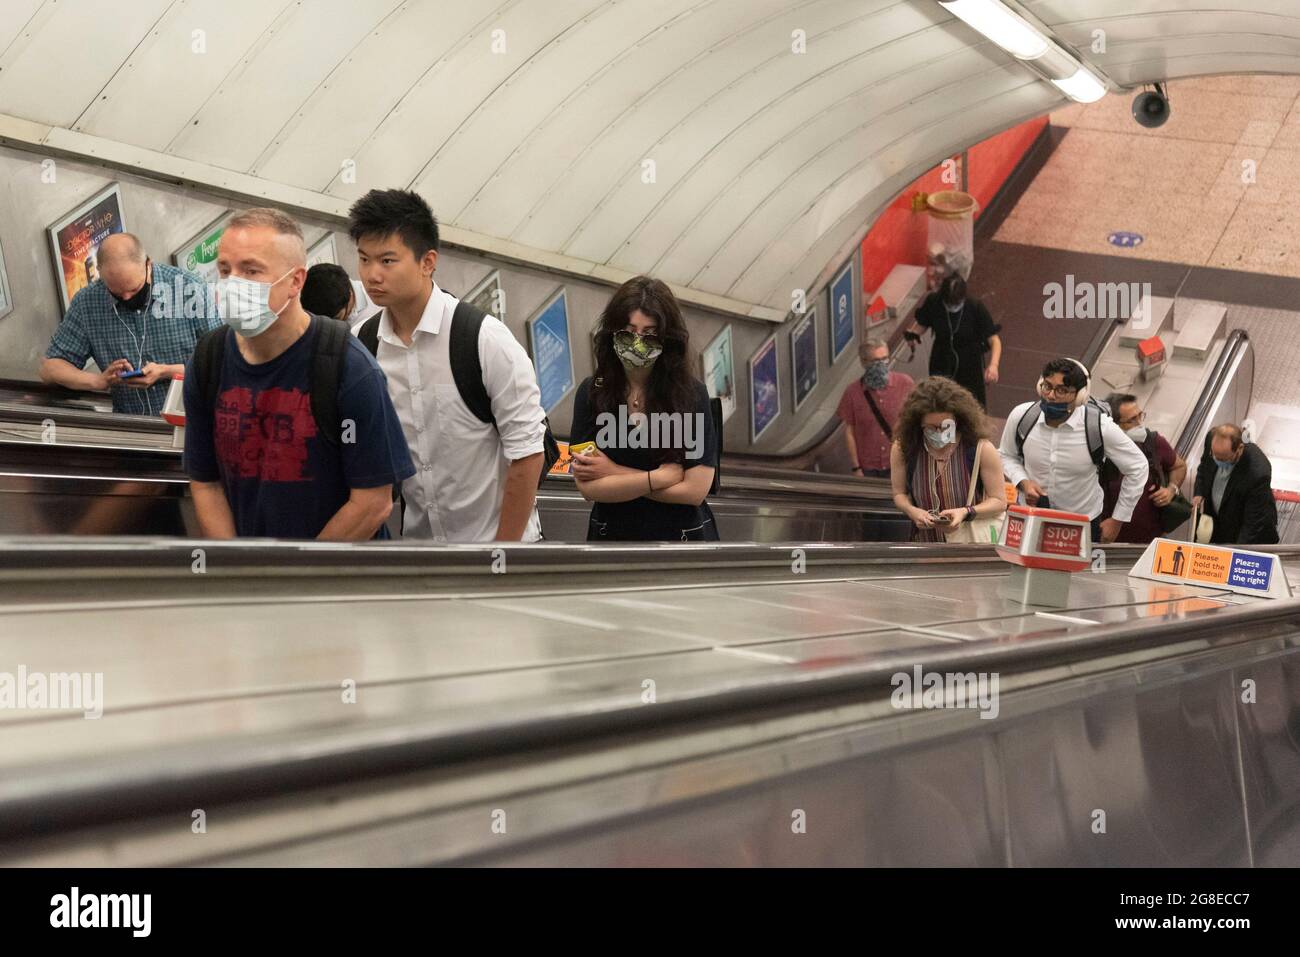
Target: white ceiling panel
{"x": 768, "y": 163}
{"x": 436, "y": 110}
{"x": 242, "y": 117}
{"x": 17, "y": 20}
{"x": 385, "y": 66}
{"x": 55, "y": 67}
{"x": 177, "y": 65}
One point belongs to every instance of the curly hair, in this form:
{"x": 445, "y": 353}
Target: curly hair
{"x": 938, "y": 394}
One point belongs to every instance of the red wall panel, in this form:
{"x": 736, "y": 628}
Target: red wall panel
{"x": 898, "y": 234}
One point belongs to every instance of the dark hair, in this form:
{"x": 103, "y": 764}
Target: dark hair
{"x": 385, "y": 212}
{"x": 671, "y": 387}
{"x": 327, "y": 290}
{"x": 1116, "y": 399}
{"x": 1073, "y": 373}
{"x": 938, "y": 394}
{"x": 953, "y": 288}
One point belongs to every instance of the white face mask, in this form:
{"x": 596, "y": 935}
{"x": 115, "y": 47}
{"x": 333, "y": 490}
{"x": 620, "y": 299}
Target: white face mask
{"x": 244, "y": 304}
{"x": 1138, "y": 434}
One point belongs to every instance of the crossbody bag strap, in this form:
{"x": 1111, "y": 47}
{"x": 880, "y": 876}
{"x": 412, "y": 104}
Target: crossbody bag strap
{"x": 974, "y": 474}
{"x": 875, "y": 410}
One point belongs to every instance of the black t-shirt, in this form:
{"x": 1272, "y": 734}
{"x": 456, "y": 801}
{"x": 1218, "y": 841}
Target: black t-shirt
{"x": 643, "y": 519}
{"x": 966, "y": 333}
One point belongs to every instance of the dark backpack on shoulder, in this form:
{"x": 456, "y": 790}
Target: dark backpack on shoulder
{"x": 329, "y": 352}
{"x": 1092, "y": 413}
{"x": 467, "y": 371}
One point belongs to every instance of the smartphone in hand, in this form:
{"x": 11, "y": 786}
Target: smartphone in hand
{"x": 133, "y": 374}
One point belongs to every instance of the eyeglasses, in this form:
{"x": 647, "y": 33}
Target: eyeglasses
{"x": 1133, "y": 420}
{"x": 1060, "y": 391}
{"x": 628, "y": 339}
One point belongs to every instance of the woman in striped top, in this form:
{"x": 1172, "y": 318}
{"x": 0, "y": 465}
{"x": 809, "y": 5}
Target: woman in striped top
{"x": 940, "y": 447}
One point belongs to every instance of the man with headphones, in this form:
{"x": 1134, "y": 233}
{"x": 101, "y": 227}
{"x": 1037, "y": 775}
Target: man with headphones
{"x": 1052, "y": 449}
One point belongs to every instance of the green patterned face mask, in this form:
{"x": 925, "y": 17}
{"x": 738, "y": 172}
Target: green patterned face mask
{"x": 637, "y": 352}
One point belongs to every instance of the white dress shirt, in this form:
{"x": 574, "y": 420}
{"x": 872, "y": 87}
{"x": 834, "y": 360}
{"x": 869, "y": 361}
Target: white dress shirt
{"x": 1058, "y": 460}
{"x": 456, "y": 492}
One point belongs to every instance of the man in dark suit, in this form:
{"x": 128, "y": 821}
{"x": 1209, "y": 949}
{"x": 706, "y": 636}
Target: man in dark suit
{"x": 1234, "y": 485}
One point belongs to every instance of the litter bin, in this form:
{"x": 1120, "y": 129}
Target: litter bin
{"x": 950, "y": 235}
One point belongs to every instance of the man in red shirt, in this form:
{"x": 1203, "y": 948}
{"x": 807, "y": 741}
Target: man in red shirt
{"x": 1164, "y": 464}
{"x": 869, "y": 408}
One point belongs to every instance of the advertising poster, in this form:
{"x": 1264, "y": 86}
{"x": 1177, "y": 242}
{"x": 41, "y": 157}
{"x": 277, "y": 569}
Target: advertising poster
{"x": 489, "y": 297}
{"x": 6, "y": 297}
{"x": 75, "y": 239}
{"x": 548, "y": 337}
{"x": 842, "y": 311}
{"x": 199, "y": 254}
{"x": 764, "y": 396}
{"x": 323, "y": 252}
{"x": 719, "y": 371}
{"x": 803, "y": 357}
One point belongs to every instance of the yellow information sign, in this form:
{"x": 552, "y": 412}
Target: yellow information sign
{"x": 1196, "y": 563}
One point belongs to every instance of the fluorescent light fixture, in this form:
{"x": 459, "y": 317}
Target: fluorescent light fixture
{"x": 1008, "y": 30}
{"x": 1083, "y": 87}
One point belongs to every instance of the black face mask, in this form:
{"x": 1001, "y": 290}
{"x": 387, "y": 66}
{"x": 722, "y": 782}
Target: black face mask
{"x": 136, "y": 302}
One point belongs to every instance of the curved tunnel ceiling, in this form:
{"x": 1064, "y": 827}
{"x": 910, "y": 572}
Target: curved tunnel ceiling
{"x": 530, "y": 124}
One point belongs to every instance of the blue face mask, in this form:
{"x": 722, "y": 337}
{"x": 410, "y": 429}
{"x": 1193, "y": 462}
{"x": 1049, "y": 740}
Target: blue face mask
{"x": 1224, "y": 466}
{"x": 1055, "y": 410}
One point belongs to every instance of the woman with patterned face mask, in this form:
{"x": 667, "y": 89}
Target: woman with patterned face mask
{"x": 940, "y": 447}
{"x": 656, "y": 449}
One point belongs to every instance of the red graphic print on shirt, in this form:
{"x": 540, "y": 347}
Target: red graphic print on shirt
{"x": 266, "y": 439}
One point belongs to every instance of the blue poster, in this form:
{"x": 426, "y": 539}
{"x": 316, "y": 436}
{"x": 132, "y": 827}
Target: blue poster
{"x": 803, "y": 355}
{"x": 842, "y": 311}
{"x": 764, "y": 396}
{"x": 548, "y": 333}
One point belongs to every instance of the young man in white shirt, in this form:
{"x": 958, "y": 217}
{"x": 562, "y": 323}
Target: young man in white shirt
{"x": 1055, "y": 466}
{"x": 475, "y": 481}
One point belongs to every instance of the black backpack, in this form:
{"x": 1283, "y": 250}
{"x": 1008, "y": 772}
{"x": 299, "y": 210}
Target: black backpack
{"x": 329, "y": 352}
{"x": 1092, "y": 413}
{"x": 468, "y": 371}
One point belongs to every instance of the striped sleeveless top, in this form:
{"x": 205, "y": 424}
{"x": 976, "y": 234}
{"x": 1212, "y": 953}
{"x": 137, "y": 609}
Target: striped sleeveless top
{"x": 941, "y": 485}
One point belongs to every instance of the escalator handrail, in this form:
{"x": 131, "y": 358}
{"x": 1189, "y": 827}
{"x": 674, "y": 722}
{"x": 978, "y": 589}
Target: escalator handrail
{"x": 1193, "y": 434}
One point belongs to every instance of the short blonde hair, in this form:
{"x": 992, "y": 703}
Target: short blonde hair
{"x": 268, "y": 218}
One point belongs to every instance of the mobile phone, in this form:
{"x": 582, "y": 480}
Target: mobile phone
{"x": 134, "y": 373}
{"x": 582, "y": 448}
{"x": 941, "y": 519}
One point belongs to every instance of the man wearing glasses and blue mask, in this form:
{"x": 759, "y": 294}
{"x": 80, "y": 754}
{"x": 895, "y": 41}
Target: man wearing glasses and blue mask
{"x": 139, "y": 322}
{"x": 1054, "y": 447}
{"x": 289, "y": 429}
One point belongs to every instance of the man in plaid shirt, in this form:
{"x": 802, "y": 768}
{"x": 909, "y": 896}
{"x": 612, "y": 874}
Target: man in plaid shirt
{"x": 139, "y": 315}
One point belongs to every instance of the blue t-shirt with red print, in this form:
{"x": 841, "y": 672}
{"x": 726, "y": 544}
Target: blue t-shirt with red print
{"x": 281, "y": 478}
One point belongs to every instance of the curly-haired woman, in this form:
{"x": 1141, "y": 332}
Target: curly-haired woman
{"x": 940, "y": 447}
